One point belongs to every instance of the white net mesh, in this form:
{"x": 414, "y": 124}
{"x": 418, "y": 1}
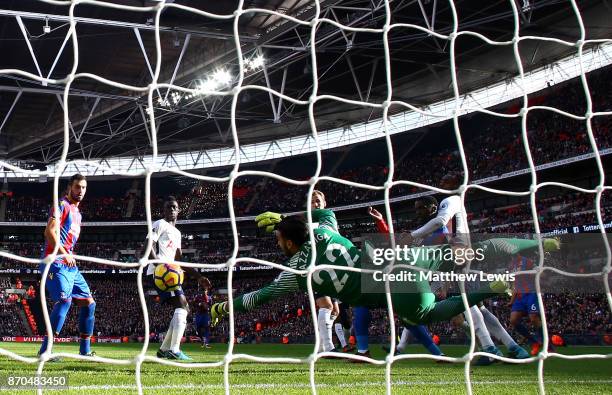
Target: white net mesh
{"x": 155, "y": 86}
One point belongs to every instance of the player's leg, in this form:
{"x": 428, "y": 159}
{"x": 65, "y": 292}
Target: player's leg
{"x": 361, "y": 324}
{"x": 459, "y": 322}
{"x": 164, "y": 297}
{"x": 518, "y": 311}
{"x": 422, "y": 335}
{"x": 206, "y": 333}
{"x": 87, "y": 307}
{"x": 340, "y": 324}
{"x": 199, "y": 327}
{"x": 498, "y": 331}
{"x": 179, "y": 324}
{"x": 483, "y": 336}
{"x": 533, "y": 308}
{"x": 421, "y": 307}
{"x": 325, "y": 322}
{"x": 404, "y": 340}
{"x": 59, "y": 288}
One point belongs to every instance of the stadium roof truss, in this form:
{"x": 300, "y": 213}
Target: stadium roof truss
{"x": 109, "y": 125}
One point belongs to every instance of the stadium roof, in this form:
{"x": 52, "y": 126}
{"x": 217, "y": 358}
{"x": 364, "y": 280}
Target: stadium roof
{"x": 109, "y": 122}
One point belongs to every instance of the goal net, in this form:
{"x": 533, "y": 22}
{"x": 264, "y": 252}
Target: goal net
{"x": 586, "y": 57}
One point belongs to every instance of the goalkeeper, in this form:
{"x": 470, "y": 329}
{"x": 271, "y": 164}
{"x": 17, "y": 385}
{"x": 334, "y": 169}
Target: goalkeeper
{"x": 414, "y": 303}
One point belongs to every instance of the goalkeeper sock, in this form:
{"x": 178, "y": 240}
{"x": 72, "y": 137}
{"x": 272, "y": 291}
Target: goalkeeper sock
{"x": 421, "y": 333}
{"x": 57, "y": 319}
{"x": 325, "y": 329}
{"x": 404, "y": 339}
{"x": 168, "y": 337}
{"x": 340, "y": 333}
{"x": 497, "y": 329}
{"x": 180, "y": 323}
{"x": 86, "y": 325}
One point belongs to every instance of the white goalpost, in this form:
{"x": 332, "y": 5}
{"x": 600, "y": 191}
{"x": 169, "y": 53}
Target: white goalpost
{"x": 455, "y": 106}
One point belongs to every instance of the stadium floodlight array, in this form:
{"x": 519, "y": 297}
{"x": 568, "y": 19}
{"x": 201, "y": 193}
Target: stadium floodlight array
{"x": 151, "y": 89}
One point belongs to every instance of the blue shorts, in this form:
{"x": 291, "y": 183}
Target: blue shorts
{"x": 202, "y": 320}
{"x": 165, "y": 295}
{"x": 65, "y": 282}
{"x": 527, "y": 303}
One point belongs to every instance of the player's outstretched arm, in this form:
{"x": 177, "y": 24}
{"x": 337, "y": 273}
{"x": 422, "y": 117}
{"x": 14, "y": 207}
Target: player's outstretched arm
{"x": 284, "y": 284}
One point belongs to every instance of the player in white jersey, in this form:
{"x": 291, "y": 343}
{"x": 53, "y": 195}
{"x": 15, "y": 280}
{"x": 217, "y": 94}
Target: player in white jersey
{"x": 167, "y": 246}
{"x": 451, "y": 214}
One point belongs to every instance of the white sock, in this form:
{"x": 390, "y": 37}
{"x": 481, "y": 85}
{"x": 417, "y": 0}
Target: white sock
{"x": 403, "y": 340}
{"x": 325, "y": 329}
{"x": 340, "y": 334}
{"x": 180, "y": 323}
{"x": 168, "y": 336}
{"x": 496, "y": 328}
{"x": 480, "y": 329}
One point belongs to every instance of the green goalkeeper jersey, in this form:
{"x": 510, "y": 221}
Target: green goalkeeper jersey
{"x": 331, "y": 249}
{"x": 412, "y": 300}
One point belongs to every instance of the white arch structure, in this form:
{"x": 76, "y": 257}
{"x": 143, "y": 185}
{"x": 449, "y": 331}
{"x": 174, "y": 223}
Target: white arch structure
{"x": 597, "y": 57}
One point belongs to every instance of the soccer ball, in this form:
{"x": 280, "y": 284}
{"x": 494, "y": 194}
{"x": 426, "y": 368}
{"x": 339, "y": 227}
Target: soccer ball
{"x": 168, "y": 277}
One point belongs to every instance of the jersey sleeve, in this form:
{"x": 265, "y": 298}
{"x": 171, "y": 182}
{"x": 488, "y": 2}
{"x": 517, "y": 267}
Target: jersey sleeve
{"x": 286, "y": 283}
{"x": 156, "y": 231}
{"x": 62, "y": 209}
{"x": 326, "y": 219}
{"x": 382, "y": 226}
{"x": 449, "y": 207}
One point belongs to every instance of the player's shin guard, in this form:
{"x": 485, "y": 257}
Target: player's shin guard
{"x": 325, "y": 328}
{"x": 86, "y": 326}
{"x": 180, "y": 323}
{"x": 361, "y": 322}
{"x": 57, "y": 318}
{"x": 496, "y": 328}
{"x": 340, "y": 333}
{"x": 421, "y": 333}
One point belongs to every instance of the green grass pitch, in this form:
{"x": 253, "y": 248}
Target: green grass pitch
{"x": 332, "y": 376}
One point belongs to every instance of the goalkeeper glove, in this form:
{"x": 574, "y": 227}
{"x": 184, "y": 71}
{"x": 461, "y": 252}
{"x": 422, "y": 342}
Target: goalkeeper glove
{"x": 268, "y": 220}
{"x": 217, "y": 312}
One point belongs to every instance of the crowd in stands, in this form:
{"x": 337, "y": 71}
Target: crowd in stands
{"x": 495, "y": 149}
{"x": 490, "y": 150}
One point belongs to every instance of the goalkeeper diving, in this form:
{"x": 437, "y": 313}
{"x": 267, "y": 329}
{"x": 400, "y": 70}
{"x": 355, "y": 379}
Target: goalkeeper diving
{"x": 414, "y": 303}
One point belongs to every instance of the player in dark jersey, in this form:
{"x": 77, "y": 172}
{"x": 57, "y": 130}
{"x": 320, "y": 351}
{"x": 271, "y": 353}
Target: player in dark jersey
{"x": 202, "y": 305}
{"x": 65, "y": 283}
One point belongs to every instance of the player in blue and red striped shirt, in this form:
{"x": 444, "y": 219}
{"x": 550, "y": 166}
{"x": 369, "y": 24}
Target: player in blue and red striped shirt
{"x": 202, "y": 317}
{"x": 525, "y": 302}
{"x": 64, "y": 282}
